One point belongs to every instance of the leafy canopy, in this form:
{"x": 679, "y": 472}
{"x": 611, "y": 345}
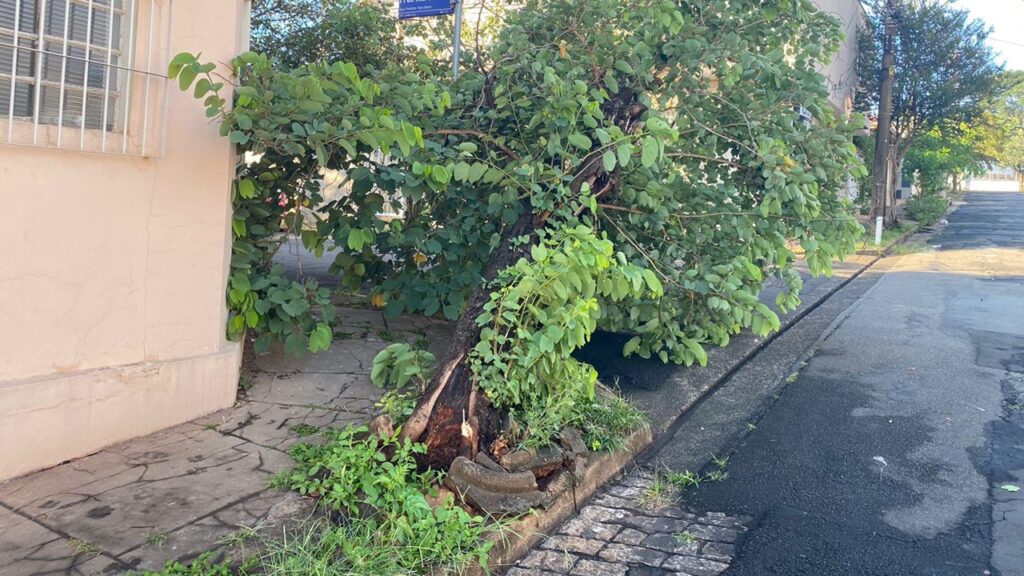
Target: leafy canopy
{"x": 641, "y": 158}
{"x": 944, "y": 73}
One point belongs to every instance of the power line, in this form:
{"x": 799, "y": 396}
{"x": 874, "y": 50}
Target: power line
{"x": 1006, "y": 42}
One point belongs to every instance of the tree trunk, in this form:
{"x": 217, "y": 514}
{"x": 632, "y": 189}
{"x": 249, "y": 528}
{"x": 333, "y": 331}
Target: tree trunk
{"x": 455, "y": 418}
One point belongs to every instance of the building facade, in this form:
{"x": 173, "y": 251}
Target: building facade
{"x": 117, "y": 230}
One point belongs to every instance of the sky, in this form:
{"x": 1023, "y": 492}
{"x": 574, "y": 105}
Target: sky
{"x": 1006, "y": 17}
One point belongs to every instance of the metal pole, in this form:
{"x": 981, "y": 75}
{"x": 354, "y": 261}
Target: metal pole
{"x": 458, "y": 39}
{"x": 880, "y": 196}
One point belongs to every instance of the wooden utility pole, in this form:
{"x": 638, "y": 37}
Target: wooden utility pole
{"x": 880, "y": 205}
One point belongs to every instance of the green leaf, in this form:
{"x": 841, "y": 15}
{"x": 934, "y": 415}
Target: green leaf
{"x": 624, "y": 152}
{"x": 202, "y": 87}
{"x": 609, "y": 161}
{"x": 580, "y": 141}
{"x": 295, "y": 307}
{"x": 649, "y": 152}
{"x": 1010, "y": 488}
{"x": 632, "y": 346}
{"x": 356, "y": 239}
{"x": 238, "y": 227}
{"x": 320, "y": 338}
{"x": 186, "y": 76}
{"x": 247, "y": 188}
{"x": 178, "y": 62}
{"x": 441, "y": 174}
{"x": 697, "y": 350}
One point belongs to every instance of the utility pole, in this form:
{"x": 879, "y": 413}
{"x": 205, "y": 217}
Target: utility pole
{"x": 880, "y": 195}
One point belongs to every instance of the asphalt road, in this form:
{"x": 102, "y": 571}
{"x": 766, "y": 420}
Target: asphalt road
{"x": 887, "y": 452}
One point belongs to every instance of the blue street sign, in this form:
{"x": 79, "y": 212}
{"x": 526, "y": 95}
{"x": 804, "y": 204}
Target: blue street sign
{"x": 424, "y": 8}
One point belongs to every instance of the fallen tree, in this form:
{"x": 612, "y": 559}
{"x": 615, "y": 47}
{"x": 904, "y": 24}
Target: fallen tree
{"x": 627, "y": 165}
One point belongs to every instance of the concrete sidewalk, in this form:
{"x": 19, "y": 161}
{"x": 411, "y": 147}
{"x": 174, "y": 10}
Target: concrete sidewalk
{"x": 189, "y": 489}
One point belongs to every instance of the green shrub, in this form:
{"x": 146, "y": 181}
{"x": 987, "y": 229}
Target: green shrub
{"x": 926, "y": 210}
{"x": 393, "y": 529}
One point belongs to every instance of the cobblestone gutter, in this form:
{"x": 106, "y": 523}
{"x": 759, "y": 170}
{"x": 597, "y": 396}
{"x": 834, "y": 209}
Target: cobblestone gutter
{"x": 619, "y": 532}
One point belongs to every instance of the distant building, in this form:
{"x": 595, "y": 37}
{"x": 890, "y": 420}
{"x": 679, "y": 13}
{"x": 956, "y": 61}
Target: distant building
{"x": 841, "y": 73}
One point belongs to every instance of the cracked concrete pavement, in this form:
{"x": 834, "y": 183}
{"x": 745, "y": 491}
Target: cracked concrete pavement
{"x": 183, "y": 491}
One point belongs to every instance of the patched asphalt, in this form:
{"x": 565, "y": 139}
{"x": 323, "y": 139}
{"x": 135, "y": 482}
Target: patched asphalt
{"x": 886, "y": 454}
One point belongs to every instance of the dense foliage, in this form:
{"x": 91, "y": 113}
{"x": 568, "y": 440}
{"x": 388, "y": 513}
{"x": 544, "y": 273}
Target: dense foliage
{"x": 394, "y": 528}
{"x": 940, "y": 158}
{"x": 657, "y": 138}
{"x": 927, "y": 209}
{"x": 296, "y": 32}
{"x": 1003, "y": 129}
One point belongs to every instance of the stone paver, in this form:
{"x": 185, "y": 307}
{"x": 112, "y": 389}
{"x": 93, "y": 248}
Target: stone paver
{"x": 183, "y": 491}
{"x": 624, "y": 531}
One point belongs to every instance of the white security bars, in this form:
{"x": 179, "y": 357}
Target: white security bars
{"x": 84, "y": 74}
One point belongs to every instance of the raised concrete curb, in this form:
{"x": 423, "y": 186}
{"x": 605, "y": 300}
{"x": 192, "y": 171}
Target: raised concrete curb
{"x": 524, "y": 533}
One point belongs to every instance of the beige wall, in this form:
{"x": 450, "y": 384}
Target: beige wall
{"x": 112, "y": 280}
{"x": 841, "y": 73}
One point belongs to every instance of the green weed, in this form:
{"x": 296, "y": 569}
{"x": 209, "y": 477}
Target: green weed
{"x": 304, "y": 429}
{"x": 685, "y": 538}
{"x": 83, "y": 547}
{"x": 155, "y": 538}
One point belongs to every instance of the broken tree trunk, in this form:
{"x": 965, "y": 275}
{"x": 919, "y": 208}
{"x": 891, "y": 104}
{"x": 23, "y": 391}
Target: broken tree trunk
{"x": 454, "y": 416}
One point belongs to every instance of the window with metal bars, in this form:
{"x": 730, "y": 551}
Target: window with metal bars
{"x": 60, "y": 61}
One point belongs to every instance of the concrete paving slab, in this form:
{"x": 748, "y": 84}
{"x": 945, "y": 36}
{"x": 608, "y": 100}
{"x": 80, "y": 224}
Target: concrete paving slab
{"x": 182, "y": 491}
{"x": 30, "y": 549}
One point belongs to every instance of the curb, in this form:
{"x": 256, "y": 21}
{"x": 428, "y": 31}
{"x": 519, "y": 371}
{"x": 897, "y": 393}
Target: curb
{"x": 524, "y": 533}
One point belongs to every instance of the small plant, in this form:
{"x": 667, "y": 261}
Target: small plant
{"x": 280, "y": 479}
{"x": 398, "y": 405}
{"x": 927, "y": 209}
{"x": 657, "y": 494}
{"x": 304, "y": 429}
{"x": 792, "y": 377}
{"x": 716, "y": 476}
{"x": 238, "y": 538}
{"x": 685, "y": 538}
{"x": 751, "y": 426}
{"x": 83, "y": 547}
{"x": 607, "y": 421}
{"x": 155, "y": 538}
{"x": 1016, "y": 406}
{"x": 394, "y": 530}
{"x": 201, "y": 566}
{"x": 684, "y": 480}
{"x": 387, "y": 335}
{"x": 398, "y": 364}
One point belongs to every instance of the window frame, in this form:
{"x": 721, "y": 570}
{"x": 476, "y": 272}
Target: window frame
{"x": 113, "y": 118}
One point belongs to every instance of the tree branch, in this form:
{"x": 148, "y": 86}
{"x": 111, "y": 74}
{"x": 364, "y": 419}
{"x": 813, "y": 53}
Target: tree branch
{"x": 478, "y": 135}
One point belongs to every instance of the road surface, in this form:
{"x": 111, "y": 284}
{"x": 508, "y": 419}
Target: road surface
{"x": 895, "y": 449}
